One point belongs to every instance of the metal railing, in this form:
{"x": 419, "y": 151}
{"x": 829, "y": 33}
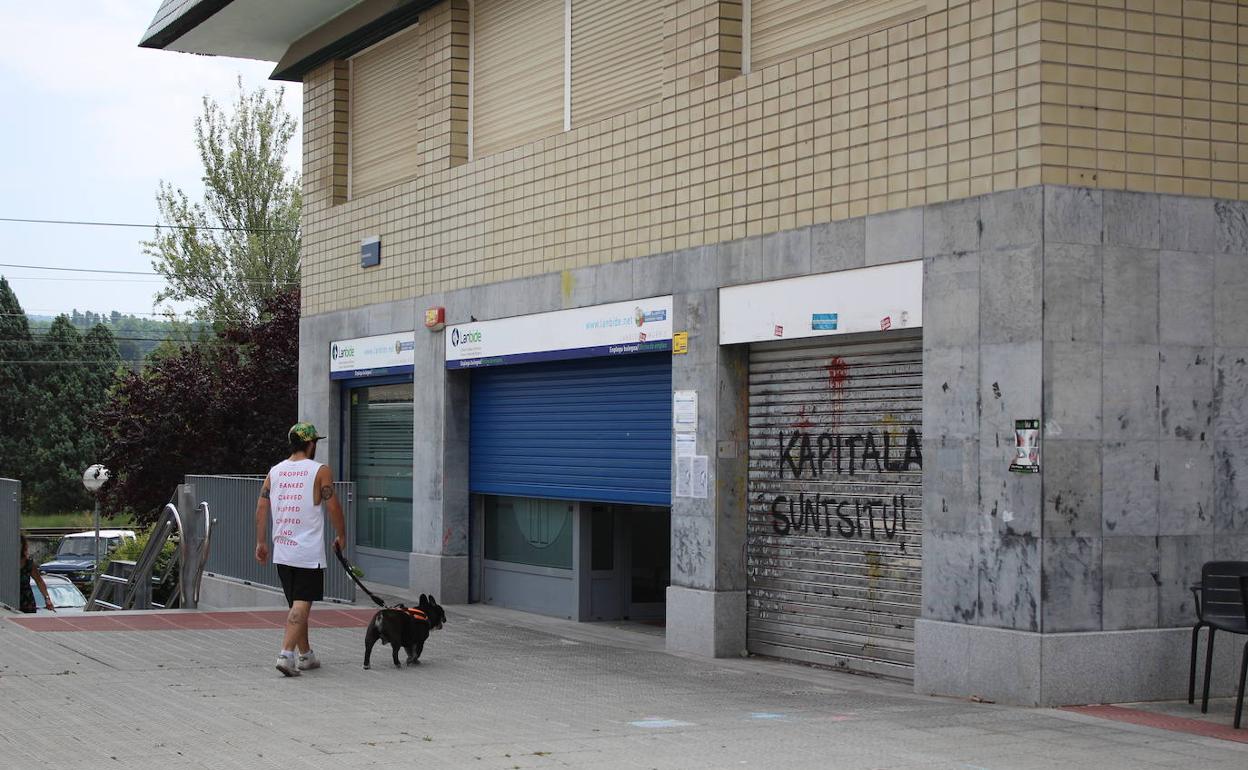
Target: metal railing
{"x": 10, "y": 543}
{"x": 127, "y": 585}
{"x": 232, "y": 553}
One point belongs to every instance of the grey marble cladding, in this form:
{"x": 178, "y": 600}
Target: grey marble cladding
{"x": 1118, "y": 319}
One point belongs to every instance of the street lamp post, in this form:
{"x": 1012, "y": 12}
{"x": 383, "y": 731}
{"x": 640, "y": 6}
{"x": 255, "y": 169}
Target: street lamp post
{"x": 93, "y": 478}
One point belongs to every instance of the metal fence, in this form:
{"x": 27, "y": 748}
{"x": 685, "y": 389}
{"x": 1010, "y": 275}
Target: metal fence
{"x": 10, "y": 542}
{"x": 232, "y": 500}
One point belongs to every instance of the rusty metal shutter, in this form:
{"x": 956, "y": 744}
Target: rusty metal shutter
{"x": 517, "y": 73}
{"x": 385, "y": 96}
{"x": 835, "y": 490}
{"x": 786, "y": 29}
{"x": 617, "y": 57}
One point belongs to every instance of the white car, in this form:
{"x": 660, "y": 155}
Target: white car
{"x": 65, "y": 595}
{"x": 75, "y": 556}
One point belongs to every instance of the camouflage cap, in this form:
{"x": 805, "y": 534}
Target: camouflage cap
{"x": 304, "y": 431}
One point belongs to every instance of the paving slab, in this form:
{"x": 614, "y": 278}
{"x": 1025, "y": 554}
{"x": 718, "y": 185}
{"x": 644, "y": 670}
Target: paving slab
{"x": 500, "y": 689}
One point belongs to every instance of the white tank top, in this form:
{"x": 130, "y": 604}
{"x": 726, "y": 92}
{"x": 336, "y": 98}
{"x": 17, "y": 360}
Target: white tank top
{"x": 298, "y": 522}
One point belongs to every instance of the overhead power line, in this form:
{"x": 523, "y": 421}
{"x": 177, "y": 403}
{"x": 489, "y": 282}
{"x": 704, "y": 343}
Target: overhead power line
{"x": 79, "y": 269}
{"x": 139, "y": 224}
{"x": 42, "y": 339}
{"x": 83, "y": 279}
{"x": 185, "y": 317}
{"x": 82, "y": 363}
{"x": 109, "y": 272}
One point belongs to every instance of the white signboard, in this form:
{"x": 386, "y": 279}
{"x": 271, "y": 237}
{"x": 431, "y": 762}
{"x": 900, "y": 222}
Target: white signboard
{"x": 868, "y": 299}
{"x": 686, "y": 444}
{"x": 685, "y": 409}
{"x": 622, "y": 328}
{"x": 380, "y": 356}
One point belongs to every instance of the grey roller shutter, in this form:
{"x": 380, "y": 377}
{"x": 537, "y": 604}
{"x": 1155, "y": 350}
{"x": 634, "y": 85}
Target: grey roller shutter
{"x": 385, "y": 96}
{"x": 786, "y": 29}
{"x": 517, "y": 73}
{"x": 835, "y": 511}
{"x": 617, "y": 57}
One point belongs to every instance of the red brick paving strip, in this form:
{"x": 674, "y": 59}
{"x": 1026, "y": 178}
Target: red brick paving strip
{"x": 1163, "y": 722}
{"x": 192, "y": 621}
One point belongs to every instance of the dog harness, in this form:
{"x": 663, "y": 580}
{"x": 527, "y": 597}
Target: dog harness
{"x": 415, "y": 613}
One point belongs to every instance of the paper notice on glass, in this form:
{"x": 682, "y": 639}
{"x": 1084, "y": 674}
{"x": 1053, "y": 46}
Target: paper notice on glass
{"x": 684, "y": 476}
{"x": 686, "y": 445}
{"x": 685, "y": 409}
{"x": 699, "y": 472}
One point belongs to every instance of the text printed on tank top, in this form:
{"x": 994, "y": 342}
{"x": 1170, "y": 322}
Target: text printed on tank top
{"x": 298, "y": 521}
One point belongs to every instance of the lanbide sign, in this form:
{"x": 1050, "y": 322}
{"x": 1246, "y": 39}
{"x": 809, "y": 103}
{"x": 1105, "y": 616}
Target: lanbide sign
{"x": 380, "y": 356}
{"x": 620, "y": 328}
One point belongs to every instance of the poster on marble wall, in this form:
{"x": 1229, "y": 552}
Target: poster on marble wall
{"x": 1026, "y": 447}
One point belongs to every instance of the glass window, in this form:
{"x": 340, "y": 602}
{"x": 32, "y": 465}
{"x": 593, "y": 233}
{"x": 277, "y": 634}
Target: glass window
{"x": 528, "y": 531}
{"x": 381, "y": 465}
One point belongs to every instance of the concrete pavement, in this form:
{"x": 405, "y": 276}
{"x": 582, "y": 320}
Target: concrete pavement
{"x": 500, "y": 689}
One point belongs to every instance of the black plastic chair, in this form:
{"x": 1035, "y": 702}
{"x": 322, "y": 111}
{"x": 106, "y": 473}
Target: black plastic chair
{"x": 1221, "y": 605}
{"x": 1243, "y": 664}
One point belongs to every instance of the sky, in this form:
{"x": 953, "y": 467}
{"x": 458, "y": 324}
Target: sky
{"x": 91, "y": 125}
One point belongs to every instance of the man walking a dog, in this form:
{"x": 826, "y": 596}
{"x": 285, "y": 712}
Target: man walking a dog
{"x": 298, "y": 491}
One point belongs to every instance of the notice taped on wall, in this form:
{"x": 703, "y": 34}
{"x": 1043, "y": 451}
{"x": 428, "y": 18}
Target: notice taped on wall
{"x": 692, "y": 476}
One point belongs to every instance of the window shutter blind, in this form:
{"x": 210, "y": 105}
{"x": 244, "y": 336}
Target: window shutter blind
{"x": 517, "y": 73}
{"x": 385, "y": 91}
{"x": 617, "y": 57}
{"x": 786, "y": 29}
{"x": 586, "y": 429}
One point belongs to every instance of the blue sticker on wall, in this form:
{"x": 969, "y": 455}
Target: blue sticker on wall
{"x": 823, "y": 322}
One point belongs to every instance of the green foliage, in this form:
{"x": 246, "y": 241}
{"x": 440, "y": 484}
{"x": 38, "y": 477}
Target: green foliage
{"x": 136, "y": 338}
{"x": 70, "y": 374}
{"x": 15, "y": 384}
{"x": 253, "y": 254}
{"x": 219, "y": 406}
{"x": 81, "y": 520}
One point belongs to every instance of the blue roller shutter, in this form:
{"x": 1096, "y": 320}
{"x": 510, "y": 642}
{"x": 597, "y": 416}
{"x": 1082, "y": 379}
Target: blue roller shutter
{"x": 596, "y": 429}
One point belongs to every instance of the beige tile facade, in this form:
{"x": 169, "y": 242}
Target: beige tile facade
{"x": 1146, "y": 95}
{"x": 984, "y": 95}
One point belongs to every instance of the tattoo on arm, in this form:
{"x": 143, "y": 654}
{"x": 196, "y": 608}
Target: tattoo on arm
{"x": 327, "y": 492}
{"x": 264, "y": 493}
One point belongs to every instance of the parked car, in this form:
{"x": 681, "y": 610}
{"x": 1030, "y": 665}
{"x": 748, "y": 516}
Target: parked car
{"x": 65, "y": 595}
{"x": 75, "y": 556}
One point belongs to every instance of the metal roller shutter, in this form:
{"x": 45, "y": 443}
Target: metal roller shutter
{"x": 595, "y": 429}
{"x": 385, "y": 95}
{"x": 617, "y": 57}
{"x": 517, "y": 73}
{"x": 835, "y": 490}
{"x": 786, "y": 29}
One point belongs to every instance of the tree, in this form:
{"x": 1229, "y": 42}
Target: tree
{"x": 239, "y": 247}
{"x": 102, "y": 359}
{"x": 220, "y": 405}
{"x": 15, "y": 385}
{"x": 71, "y": 376}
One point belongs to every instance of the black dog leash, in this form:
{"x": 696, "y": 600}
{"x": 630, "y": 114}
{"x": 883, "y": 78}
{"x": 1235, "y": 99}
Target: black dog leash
{"x": 351, "y": 571}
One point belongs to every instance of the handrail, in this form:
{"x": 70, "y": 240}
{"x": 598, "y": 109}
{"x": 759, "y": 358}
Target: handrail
{"x": 203, "y": 550}
{"x": 140, "y": 577}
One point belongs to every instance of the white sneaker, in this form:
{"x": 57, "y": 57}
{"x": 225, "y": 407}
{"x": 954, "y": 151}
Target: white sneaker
{"x": 308, "y": 661}
{"x": 287, "y": 665}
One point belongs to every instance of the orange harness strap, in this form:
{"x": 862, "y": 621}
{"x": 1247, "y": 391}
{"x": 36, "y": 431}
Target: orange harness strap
{"x": 415, "y": 613}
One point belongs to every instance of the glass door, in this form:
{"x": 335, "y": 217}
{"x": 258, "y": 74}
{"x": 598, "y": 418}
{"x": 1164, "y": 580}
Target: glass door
{"x": 381, "y": 465}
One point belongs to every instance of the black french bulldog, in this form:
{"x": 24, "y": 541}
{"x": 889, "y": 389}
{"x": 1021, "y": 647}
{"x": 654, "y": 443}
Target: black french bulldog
{"x": 406, "y": 627}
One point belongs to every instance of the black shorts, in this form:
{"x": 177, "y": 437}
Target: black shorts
{"x": 302, "y": 584}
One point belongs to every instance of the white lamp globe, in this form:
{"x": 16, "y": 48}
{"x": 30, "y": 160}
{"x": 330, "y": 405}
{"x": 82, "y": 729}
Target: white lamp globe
{"x": 94, "y": 477}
